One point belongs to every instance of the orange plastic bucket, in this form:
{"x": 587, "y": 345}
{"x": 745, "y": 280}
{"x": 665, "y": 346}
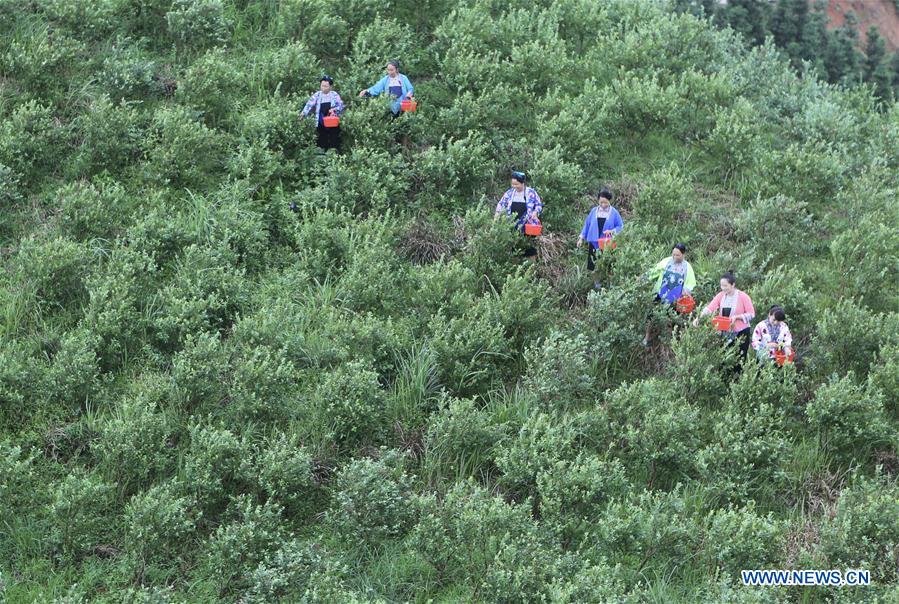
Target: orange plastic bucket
{"x": 721, "y": 323}
{"x": 685, "y": 304}
{"x": 408, "y": 105}
{"x": 331, "y": 121}
{"x": 607, "y": 243}
{"x": 781, "y": 357}
{"x": 533, "y": 229}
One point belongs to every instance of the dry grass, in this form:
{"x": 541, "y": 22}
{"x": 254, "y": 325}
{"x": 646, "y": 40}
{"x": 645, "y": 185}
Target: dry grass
{"x": 422, "y": 243}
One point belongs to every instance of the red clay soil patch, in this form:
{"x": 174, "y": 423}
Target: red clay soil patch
{"x": 881, "y": 13}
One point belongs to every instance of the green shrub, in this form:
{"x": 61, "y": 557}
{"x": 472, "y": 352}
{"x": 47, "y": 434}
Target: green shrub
{"x": 700, "y": 358}
{"x": 118, "y": 299}
{"x": 91, "y": 21}
{"x": 198, "y": 23}
{"x": 55, "y": 269}
{"x": 573, "y": 493}
{"x": 461, "y": 442}
{"x": 848, "y": 337}
{"x": 540, "y": 444}
{"x": 237, "y": 547}
{"x": 199, "y": 369}
{"x": 740, "y": 538}
{"x": 32, "y": 142}
{"x": 776, "y": 225}
{"x": 80, "y": 505}
{"x": 884, "y": 376}
{"x": 159, "y": 527}
{"x": 17, "y": 478}
{"x": 212, "y": 85}
{"x": 863, "y": 256}
{"x": 863, "y": 532}
{"x": 559, "y": 372}
{"x": 656, "y": 430}
{"x": 214, "y": 468}
{"x": 849, "y": 418}
{"x": 205, "y": 295}
{"x": 181, "y": 151}
{"x": 85, "y": 209}
{"x": 742, "y": 456}
{"x": 284, "y": 473}
{"x": 462, "y": 535}
{"x": 351, "y": 403}
{"x": 372, "y": 500}
{"x": 296, "y": 572}
{"x": 785, "y": 287}
{"x": 135, "y": 446}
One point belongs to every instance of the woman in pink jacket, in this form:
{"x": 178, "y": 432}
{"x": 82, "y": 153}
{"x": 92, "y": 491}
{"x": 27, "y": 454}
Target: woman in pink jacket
{"x": 735, "y": 304}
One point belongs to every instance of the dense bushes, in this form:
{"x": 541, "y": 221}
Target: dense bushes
{"x": 235, "y": 369}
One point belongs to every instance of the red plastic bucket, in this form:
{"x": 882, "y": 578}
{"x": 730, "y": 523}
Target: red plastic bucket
{"x": 781, "y": 357}
{"x": 533, "y": 230}
{"x": 408, "y": 105}
{"x": 607, "y": 243}
{"x": 721, "y": 323}
{"x": 331, "y": 121}
{"x": 685, "y": 304}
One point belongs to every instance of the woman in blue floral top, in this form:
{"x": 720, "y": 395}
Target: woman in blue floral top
{"x": 325, "y": 102}
{"x": 523, "y": 203}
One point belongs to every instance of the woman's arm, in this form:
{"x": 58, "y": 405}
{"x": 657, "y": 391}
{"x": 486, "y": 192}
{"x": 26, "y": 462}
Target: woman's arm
{"x": 713, "y": 306}
{"x": 378, "y": 88}
{"x": 503, "y": 204}
{"x": 617, "y": 223}
{"x": 690, "y": 280}
{"x": 309, "y": 104}
{"x": 407, "y": 84}
{"x": 757, "y": 336}
{"x": 748, "y": 309}
{"x": 586, "y": 229}
{"x": 535, "y": 204}
{"x": 338, "y": 105}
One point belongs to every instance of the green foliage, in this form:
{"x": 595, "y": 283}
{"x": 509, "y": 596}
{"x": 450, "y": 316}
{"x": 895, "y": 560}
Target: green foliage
{"x": 372, "y": 500}
{"x": 78, "y": 510}
{"x": 285, "y": 473}
{"x": 135, "y": 446}
{"x": 847, "y": 338}
{"x": 863, "y": 533}
{"x": 233, "y": 368}
{"x": 237, "y": 547}
{"x": 848, "y": 417}
{"x": 351, "y": 403}
{"x": 198, "y": 23}
{"x": 159, "y": 526}
{"x": 559, "y": 371}
{"x": 460, "y": 442}
{"x": 32, "y": 142}
{"x": 863, "y": 256}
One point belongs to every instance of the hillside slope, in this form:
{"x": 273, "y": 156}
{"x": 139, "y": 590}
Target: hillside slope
{"x": 234, "y": 369}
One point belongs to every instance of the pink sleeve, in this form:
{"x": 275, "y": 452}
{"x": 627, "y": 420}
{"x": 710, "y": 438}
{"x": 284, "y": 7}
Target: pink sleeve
{"x": 715, "y": 304}
{"x": 748, "y": 308}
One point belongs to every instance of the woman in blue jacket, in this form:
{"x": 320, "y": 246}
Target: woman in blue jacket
{"x": 603, "y": 221}
{"x": 395, "y": 84}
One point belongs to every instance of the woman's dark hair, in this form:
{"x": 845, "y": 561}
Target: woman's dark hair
{"x": 681, "y": 247}
{"x": 604, "y": 192}
{"x": 778, "y": 313}
{"x": 729, "y": 275}
{"x": 395, "y": 63}
{"x": 328, "y": 79}
{"x": 519, "y": 176}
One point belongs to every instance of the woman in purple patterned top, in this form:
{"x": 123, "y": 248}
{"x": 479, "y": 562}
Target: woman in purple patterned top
{"x": 325, "y": 102}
